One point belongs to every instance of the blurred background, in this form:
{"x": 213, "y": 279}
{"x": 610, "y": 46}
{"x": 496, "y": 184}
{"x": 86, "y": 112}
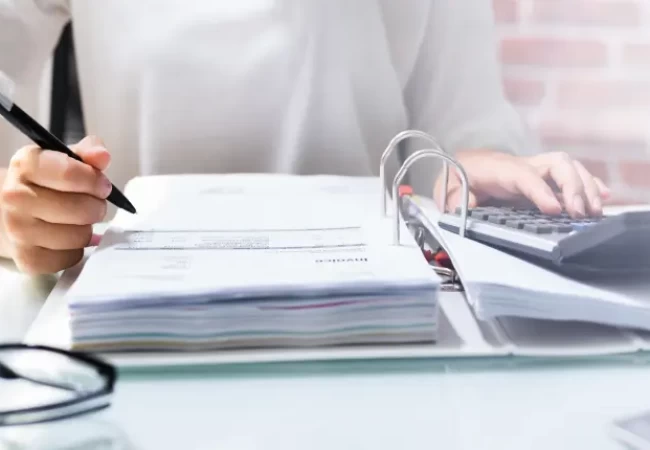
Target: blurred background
{"x": 577, "y": 70}
{"x": 579, "y": 73}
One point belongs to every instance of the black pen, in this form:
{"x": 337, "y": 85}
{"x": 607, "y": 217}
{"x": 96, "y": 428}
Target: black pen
{"x": 43, "y": 138}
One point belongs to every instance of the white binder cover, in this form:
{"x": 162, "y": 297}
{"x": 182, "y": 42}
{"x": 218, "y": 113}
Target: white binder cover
{"x": 460, "y": 336}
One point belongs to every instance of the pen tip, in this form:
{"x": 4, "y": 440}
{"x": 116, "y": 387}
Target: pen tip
{"x": 127, "y": 205}
{"x": 119, "y": 200}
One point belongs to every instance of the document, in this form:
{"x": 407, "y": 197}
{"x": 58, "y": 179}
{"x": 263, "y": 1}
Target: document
{"x": 499, "y": 285}
{"x": 229, "y": 246}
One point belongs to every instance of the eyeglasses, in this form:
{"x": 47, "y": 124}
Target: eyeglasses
{"x": 42, "y": 384}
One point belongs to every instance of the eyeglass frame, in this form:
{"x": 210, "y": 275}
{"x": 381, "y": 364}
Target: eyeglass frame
{"x": 104, "y": 369}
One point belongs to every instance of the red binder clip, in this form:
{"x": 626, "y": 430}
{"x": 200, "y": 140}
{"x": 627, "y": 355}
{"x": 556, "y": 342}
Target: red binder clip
{"x": 405, "y": 189}
{"x": 442, "y": 259}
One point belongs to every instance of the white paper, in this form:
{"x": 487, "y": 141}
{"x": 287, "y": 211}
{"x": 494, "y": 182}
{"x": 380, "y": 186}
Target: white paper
{"x": 500, "y": 285}
{"x": 229, "y": 261}
{"x": 245, "y": 202}
{"x": 245, "y": 238}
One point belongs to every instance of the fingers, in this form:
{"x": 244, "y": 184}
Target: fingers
{"x": 29, "y": 232}
{"x": 91, "y": 141}
{"x": 51, "y": 206}
{"x": 591, "y": 190}
{"x": 39, "y": 261}
{"x": 581, "y": 192}
{"x": 566, "y": 177}
{"x": 92, "y": 151}
{"x": 532, "y": 186}
{"x": 454, "y": 193}
{"x": 49, "y": 202}
{"x": 497, "y": 178}
{"x": 57, "y": 171}
{"x": 455, "y": 198}
{"x": 602, "y": 188}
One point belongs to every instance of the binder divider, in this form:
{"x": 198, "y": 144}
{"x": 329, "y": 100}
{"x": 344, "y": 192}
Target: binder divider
{"x": 389, "y": 151}
{"x": 421, "y": 154}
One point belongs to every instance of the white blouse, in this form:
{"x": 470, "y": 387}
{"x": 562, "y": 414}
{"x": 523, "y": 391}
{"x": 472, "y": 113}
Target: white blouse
{"x": 290, "y": 86}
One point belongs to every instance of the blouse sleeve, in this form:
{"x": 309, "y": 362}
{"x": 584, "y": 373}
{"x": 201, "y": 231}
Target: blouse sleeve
{"x": 455, "y": 92}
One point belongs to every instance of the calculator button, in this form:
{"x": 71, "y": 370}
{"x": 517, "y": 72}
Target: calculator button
{"x": 537, "y": 228}
{"x": 458, "y": 211}
{"x": 501, "y": 220}
{"x": 480, "y": 215}
{"x": 562, "y": 228}
{"x": 519, "y": 224}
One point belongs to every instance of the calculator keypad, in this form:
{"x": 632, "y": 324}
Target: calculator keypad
{"x": 530, "y": 220}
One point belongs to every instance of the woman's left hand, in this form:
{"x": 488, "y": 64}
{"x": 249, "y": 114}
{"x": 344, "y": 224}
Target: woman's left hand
{"x": 552, "y": 182}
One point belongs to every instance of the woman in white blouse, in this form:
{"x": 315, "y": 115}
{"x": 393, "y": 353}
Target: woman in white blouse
{"x": 291, "y": 86}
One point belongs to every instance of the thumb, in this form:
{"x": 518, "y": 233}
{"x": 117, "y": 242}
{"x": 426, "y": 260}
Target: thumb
{"x": 92, "y": 151}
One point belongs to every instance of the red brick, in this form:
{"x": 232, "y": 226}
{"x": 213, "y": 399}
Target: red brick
{"x": 605, "y": 136}
{"x": 506, "y": 11}
{"x": 524, "y": 92}
{"x": 637, "y": 55}
{"x": 553, "y": 52}
{"x": 604, "y": 94}
{"x": 635, "y": 173}
{"x": 597, "y": 168}
{"x": 619, "y": 13}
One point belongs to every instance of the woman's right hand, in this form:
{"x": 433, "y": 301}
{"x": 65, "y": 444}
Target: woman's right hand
{"x": 49, "y": 203}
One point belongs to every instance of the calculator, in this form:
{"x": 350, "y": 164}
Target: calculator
{"x": 617, "y": 244}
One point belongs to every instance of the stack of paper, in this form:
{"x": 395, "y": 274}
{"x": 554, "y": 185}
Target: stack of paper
{"x": 498, "y": 284}
{"x": 224, "y": 261}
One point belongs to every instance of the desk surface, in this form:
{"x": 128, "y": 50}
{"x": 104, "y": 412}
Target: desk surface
{"x": 21, "y": 298}
{"x": 374, "y": 405}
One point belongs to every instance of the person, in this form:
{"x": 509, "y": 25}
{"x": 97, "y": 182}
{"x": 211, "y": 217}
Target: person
{"x": 286, "y": 86}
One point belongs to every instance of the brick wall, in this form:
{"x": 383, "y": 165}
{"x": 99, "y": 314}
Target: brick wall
{"x": 579, "y": 73}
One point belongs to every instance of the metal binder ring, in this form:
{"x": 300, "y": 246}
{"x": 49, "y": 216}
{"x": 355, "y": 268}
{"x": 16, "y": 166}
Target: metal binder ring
{"x": 402, "y": 171}
{"x": 389, "y": 150}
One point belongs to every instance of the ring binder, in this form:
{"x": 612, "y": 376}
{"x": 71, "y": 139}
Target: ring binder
{"x": 423, "y": 238}
{"x": 452, "y": 282}
{"x": 389, "y": 150}
{"x": 400, "y": 176}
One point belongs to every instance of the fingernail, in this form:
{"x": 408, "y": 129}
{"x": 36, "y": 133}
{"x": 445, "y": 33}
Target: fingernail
{"x": 553, "y": 201}
{"x": 98, "y": 151}
{"x": 105, "y": 187}
{"x": 95, "y": 240}
{"x": 597, "y": 204}
{"x": 579, "y": 204}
